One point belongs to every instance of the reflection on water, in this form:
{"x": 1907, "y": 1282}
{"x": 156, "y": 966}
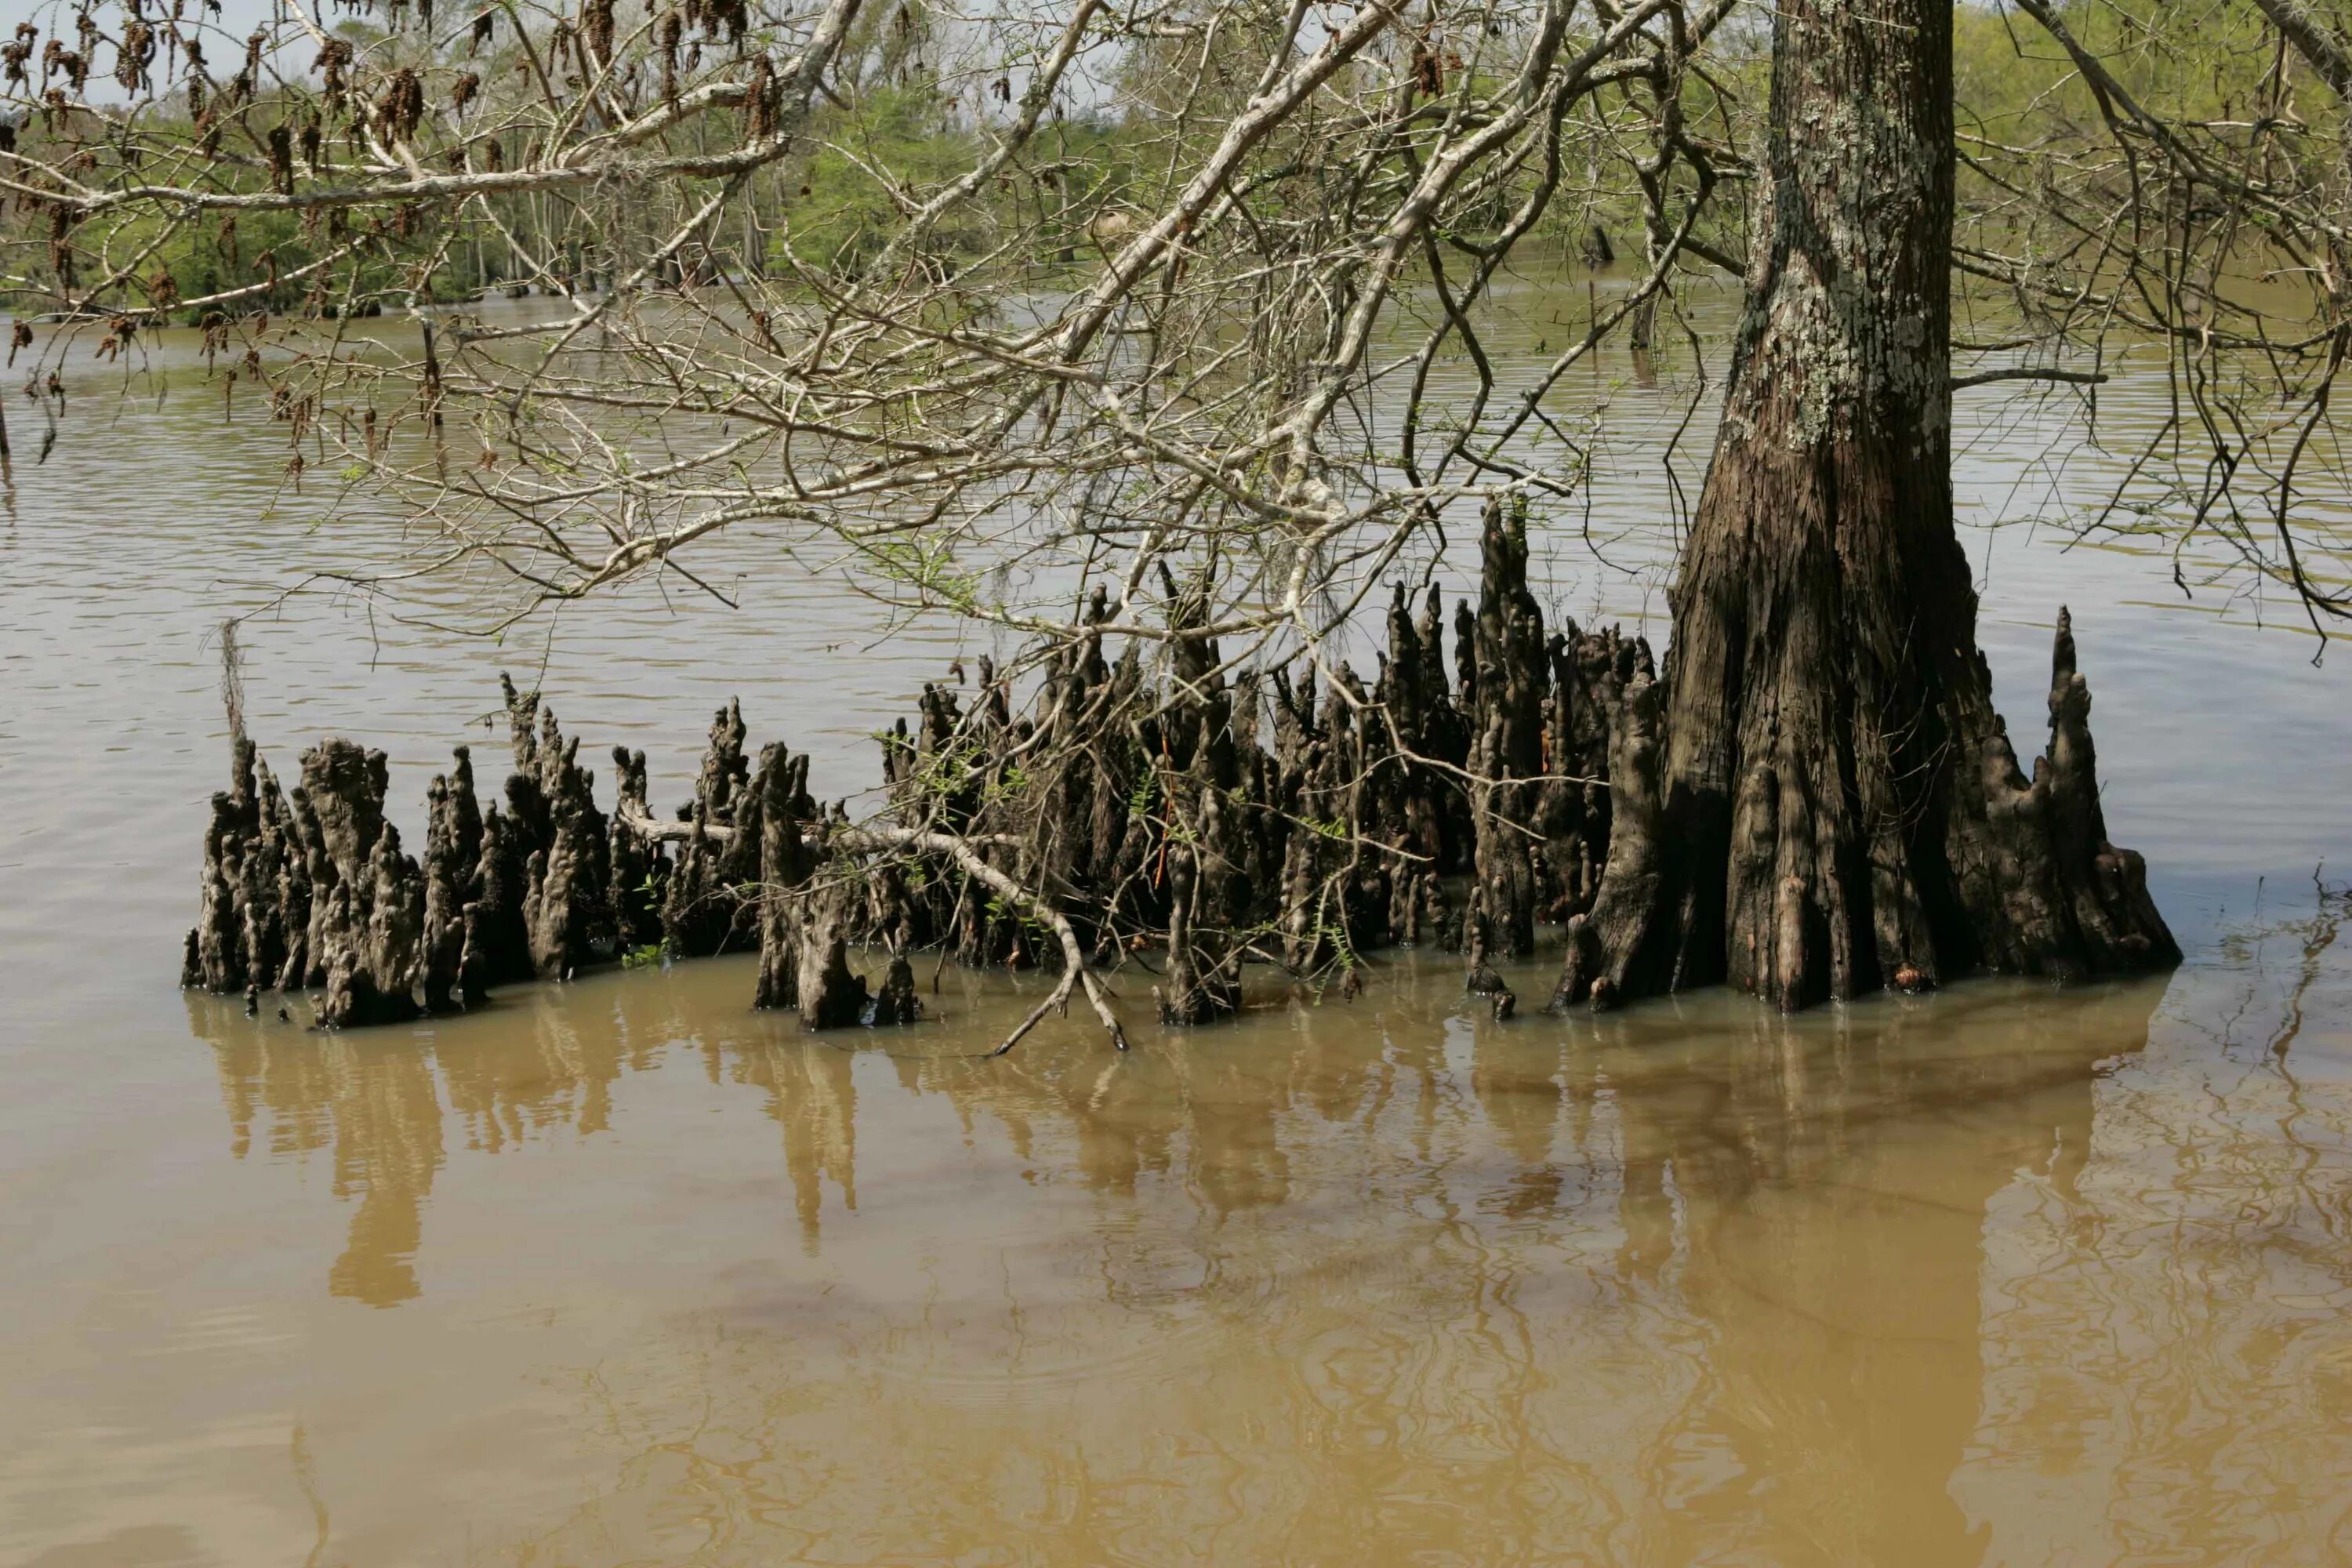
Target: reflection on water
{"x": 620, "y": 1272}
{"x": 1919, "y": 1282}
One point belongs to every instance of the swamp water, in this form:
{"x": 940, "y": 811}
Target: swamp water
{"x": 620, "y": 1271}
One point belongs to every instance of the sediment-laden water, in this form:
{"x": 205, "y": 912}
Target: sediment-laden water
{"x": 619, "y": 1271}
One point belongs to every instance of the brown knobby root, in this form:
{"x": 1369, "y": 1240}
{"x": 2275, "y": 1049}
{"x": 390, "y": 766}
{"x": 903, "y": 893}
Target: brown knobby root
{"x": 367, "y": 907}
{"x": 832, "y": 997}
{"x": 1999, "y": 873}
{"x": 784, "y": 869}
{"x": 1198, "y": 988}
{"x": 896, "y": 1001}
{"x": 1111, "y": 815}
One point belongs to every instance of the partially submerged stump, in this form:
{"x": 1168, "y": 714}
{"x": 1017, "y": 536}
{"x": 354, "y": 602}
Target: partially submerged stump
{"x": 832, "y": 995}
{"x": 709, "y": 897}
{"x": 253, "y": 925}
{"x": 1202, "y": 985}
{"x": 312, "y": 890}
{"x": 367, "y": 904}
{"x": 898, "y": 1002}
{"x": 783, "y": 871}
{"x": 452, "y": 853}
{"x": 570, "y": 916}
{"x": 640, "y": 871}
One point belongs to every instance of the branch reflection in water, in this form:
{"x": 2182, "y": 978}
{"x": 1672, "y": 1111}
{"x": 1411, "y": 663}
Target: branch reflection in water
{"x": 1911, "y": 1280}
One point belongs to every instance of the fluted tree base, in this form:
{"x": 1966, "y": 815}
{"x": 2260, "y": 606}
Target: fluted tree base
{"x": 1817, "y": 798}
{"x": 1800, "y": 898}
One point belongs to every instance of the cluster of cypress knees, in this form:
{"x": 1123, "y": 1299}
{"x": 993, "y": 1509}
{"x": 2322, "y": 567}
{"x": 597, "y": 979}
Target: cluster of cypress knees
{"x": 1143, "y": 813}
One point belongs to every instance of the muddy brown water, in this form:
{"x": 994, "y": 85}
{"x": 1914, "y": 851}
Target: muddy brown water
{"x": 619, "y": 1272}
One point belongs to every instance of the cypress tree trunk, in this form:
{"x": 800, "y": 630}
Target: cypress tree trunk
{"x": 1817, "y": 798}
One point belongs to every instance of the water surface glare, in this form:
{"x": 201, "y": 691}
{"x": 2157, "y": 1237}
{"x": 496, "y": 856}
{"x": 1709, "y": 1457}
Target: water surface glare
{"x": 620, "y": 1272}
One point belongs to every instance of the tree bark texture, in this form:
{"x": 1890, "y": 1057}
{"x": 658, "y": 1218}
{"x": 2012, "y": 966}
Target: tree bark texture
{"x": 832, "y": 995}
{"x": 1818, "y": 798}
{"x": 1814, "y": 798}
{"x": 783, "y": 868}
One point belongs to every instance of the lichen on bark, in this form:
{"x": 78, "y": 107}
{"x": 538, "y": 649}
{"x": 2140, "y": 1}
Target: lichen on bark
{"x": 1817, "y": 796}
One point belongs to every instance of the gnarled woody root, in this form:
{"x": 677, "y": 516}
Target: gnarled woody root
{"x": 2003, "y": 874}
{"x": 1818, "y": 798}
{"x": 1118, "y": 812}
